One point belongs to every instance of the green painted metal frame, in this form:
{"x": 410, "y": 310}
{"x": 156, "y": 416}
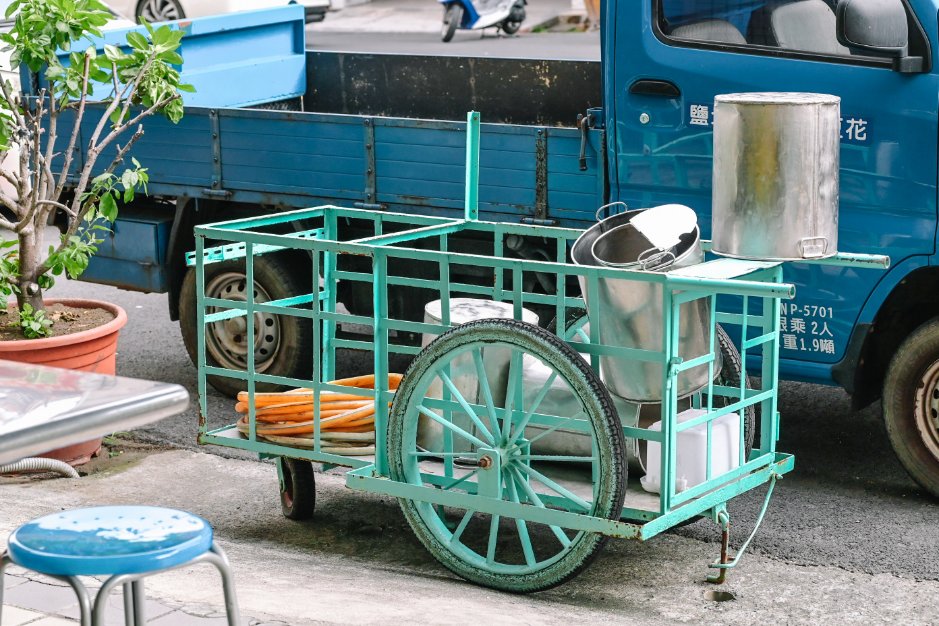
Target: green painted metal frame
{"x": 397, "y": 239}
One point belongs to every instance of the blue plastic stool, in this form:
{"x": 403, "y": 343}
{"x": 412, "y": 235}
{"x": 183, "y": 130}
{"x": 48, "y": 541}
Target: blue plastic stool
{"x": 126, "y": 542}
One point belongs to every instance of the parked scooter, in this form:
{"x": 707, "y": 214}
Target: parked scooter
{"x": 506, "y": 15}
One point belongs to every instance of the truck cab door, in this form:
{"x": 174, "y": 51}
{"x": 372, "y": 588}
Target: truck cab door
{"x": 671, "y": 57}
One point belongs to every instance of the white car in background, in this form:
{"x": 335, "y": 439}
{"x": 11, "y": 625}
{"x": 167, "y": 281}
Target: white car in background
{"x": 164, "y": 10}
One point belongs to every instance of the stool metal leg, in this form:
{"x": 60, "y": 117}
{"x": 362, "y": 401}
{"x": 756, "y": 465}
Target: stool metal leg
{"x": 217, "y": 557}
{"x": 101, "y": 601}
{"x": 84, "y": 601}
{"x": 4, "y": 561}
{"x": 128, "y": 605}
{"x": 228, "y": 586}
{"x": 140, "y": 603}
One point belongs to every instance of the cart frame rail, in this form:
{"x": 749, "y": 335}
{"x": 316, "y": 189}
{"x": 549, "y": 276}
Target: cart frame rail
{"x": 743, "y": 295}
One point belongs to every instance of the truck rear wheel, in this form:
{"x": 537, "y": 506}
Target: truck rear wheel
{"x": 282, "y": 343}
{"x": 911, "y": 405}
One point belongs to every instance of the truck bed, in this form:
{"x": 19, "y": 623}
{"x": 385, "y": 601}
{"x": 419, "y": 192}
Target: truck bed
{"x": 388, "y": 155}
{"x": 362, "y": 136}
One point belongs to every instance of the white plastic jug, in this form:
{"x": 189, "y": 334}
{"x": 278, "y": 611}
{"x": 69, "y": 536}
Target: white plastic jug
{"x": 463, "y": 370}
{"x": 691, "y": 458}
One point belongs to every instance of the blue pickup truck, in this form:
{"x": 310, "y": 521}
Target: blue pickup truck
{"x": 380, "y": 132}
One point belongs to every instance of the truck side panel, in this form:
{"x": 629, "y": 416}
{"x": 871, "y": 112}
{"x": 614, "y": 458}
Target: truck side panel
{"x": 662, "y": 150}
{"x": 293, "y": 159}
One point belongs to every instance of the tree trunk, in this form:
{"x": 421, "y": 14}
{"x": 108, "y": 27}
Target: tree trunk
{"x": 30, "y": 243}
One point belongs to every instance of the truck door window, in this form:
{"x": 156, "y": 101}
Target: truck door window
{"x": 798, "y": 28}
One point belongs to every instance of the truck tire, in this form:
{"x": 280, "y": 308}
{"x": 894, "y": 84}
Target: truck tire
{"x": 284, "y": 348}
{"x": 911, "y": 405}
{"x": 452, "y": 16}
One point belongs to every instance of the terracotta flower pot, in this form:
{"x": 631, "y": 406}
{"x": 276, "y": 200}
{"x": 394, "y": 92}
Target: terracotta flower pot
{"x": 93, "y": 350}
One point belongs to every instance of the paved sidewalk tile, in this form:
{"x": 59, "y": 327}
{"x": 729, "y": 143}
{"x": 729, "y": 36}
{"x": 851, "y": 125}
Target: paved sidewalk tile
{"x": 114, "y": 612}
{"x": 54, "y": 621}
{"x": 15, "y": 616}
{"x": 179, "y": 618}
{"x": 41, "y": 597}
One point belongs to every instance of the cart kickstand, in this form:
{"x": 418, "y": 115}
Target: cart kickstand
{"x": 724, "y": 563}
{"x": 724, "y": 520}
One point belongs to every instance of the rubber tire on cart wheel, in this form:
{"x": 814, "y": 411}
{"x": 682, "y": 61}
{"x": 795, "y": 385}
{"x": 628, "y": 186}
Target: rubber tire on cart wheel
{"x": 609, "y": 476}
{"x": 452, "y": 16}
{"x": 298, "y": 490}
{"x": 288, "y": 352}
{"x": 911, "y": 405}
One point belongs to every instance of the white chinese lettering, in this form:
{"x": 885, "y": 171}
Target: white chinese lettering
{"x": 700, "y": 114}
{"x": 857, "y": 129}
{"x": 797, "y": 324}
{"x": 789, "y": 342}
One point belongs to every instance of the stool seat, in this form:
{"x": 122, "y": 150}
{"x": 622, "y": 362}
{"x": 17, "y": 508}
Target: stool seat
{"x": 110, "y": 540}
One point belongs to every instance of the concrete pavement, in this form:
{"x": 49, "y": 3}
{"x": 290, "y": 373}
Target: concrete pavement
{"x": 423, "y": 16}
{"x": 357, "y": 562}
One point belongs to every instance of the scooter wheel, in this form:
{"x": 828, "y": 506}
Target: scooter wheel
{"x": 452, "y": 16}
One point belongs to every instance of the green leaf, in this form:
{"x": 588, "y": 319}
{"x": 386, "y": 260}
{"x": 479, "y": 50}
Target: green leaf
{"x": 107, "y": 207}
{"x": 161, "y": 36}
{"x": 171, "y": 57}
{"x": 129, "y": 179}
{"x": 137, "y": 40}
{"x": 112, "y": 52}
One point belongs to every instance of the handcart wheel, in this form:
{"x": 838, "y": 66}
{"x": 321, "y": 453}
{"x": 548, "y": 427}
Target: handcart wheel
{"x": 297, "y": 488}
{"x": 489, "y": 418}
{"x": 576, "y": 319}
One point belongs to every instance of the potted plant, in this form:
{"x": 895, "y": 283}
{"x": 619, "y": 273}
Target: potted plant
{"x": 112, "y": 92}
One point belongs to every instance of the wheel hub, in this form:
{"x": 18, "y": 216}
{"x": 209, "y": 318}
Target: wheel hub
{"x": 227, "y": 340}
{"x": 927, "y": 409}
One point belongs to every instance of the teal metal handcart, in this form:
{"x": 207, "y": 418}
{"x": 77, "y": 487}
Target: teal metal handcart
{"x": 485, "y": 496}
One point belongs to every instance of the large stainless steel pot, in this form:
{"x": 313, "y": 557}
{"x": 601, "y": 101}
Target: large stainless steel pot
{"x": 633, "y": 317}
{"x": 775, "y": 190}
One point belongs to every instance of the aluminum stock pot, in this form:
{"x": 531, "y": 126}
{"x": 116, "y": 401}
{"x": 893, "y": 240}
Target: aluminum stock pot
{"x": 633, "y": 315}
{"x": 775, "y": 190}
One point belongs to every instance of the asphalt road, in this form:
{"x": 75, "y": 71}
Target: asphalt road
{"x": 847, "y": 504}
{"x": 569, "y": 46}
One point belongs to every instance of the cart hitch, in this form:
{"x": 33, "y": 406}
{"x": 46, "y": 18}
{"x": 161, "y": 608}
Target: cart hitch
{"x": 725, "y": 562}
